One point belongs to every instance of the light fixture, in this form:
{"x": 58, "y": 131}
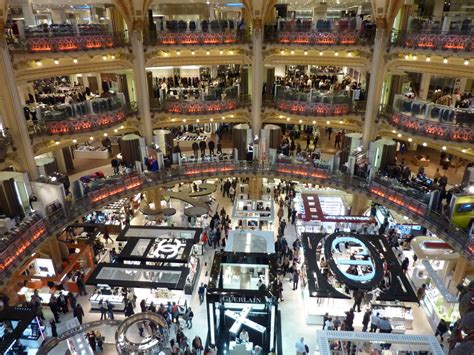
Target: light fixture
{"x": 410, "y": 140}
{"x": 231, "y": 116}
{"x": 212, "y": 120}
{"x": 74, "y": 141}
{"x": 414, "y": 57}
{"x": 91, "y": 138}
{"x": 105, "y": 134}
{"x": 178, "y": 52}
{"x": 115, "y": 130}
{"x": 336, "y": 54}
{"x": 75, "y": 60}
{"x": 463, "y": 150}
{"x": 399, "y": 135}
{"x": 231, "y": 52}
{"x": 104, "y": 57}
{"x": 314, "y": 122}
{"x": 39, "y": 63}
{"x": 349, "y": 54}
{"x": 282, "y": 52}
{"x": 327, "y": 122}
{"x": 288, "y": 119}
{"x": 466, "y": 61}
{"x": 197, "y": 120}
{"x": 112, "y": 56}
{"x": 292, "y": 52}
{"x": 193, "y": 52}
{"x": 57, "y": 143}
{"x": 445, "y": 60}
{"x": 300, "y": 121}
{"x": 221, "y": 52}
{"x": 425, "y": 144}
{"x": 305, "y": 52}
{"x": 407, "y": 56}
{"x": 223, "y": 118}
{"x": 443, "y": 147}
{"x": 173, "y": 119}
{"x": 471, "y": 189}
{"x": 428, "y": 59}
{"x": 56, "y": 61}
{"x": 340, "y": 122}
{"x": 122, "y": 127}
{"x": 207, "y": 52}
{"x": 320, "y": 52}
{"x": 184, "y": 120}
{"x": 393, "y": 131}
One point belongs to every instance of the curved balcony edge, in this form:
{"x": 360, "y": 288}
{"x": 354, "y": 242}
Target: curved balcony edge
{"x": 125, "y": 186}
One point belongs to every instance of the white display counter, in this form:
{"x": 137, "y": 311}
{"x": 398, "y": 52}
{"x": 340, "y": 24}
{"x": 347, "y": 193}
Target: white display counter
{"x": 91, "y": 154}
{"x": 116, "y": 301}
{"x": 42, "y": 293}
{"x": 240, "y": 349}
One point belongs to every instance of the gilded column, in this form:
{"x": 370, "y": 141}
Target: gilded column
{"x": 257, "y": 82}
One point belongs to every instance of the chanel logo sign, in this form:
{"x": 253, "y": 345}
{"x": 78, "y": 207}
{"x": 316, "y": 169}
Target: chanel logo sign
{"x": 167, "y": 249}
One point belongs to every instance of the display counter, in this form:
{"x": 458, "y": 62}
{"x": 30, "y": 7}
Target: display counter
{"x": 240, "y": 348}
{"x": 91, "y": 152}
{"x": 116, "y": 300}
{"x": 193, "y": 276}
{"x": 162, "y": 296}
{"x": 400, "y": 317}
{"x": 44, "y": 294}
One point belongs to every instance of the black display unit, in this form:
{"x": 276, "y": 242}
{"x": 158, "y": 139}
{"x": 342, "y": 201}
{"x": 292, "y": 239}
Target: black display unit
{"x": 373, "y": 247}
{"x": 234, "y": 303}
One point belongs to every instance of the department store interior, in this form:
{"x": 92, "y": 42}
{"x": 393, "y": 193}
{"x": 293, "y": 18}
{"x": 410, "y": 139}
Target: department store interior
{"x": 237, "y": 177}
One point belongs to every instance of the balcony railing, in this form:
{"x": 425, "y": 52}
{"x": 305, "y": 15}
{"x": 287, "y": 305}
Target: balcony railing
{"x": 286, "y": 33}
{"x": 196, "y": 38}
{"x": 45, "y": 43}
{"x": 431, "y": 120}
{"x": 199, "y": 107}
{"x": 453, "y": 41}
{"x": 383, "y": 190}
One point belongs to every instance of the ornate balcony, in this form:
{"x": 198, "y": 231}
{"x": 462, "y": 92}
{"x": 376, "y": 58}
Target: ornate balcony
{"x": 304, "y": 33}
{"x": 433, "y": 40}
{"x": 431, "y": 120}
{"x": 196, "y": 38}
{"x": 199, "y": 107}
{"x": 45, "y": 43}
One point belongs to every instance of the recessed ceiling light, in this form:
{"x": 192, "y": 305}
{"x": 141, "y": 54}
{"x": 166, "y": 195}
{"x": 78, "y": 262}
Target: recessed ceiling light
{"x": 428, "y": 59}
{"x": 445, "y": 60}
{"x": 466, "y": 61}
{"x": 305, "y": 52}
{"x": 56, "y": 61}
{"x": 75, "y": 60}
{"x": 425, "y": 144}
{"x": 443, "y": 147}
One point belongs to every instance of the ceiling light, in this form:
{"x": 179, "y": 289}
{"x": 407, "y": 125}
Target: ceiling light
{"x": 38, "y": 63}
{"x": 112, "y": 56}
{"x": 399, "y": 135}
{"x": 115, "y": 130}
{"x": 288, "y": 119}
{"x": 445, "y": 60}
{"x": 282, "y": 52}
{"x": 184, "y": 120}
{"x": 212, "y": 120}
{"x": 281, "y": 116}
{"x": 57, "y": 143}
{"x": 410, "y": 140}
{"x": 193, "y": 52}
{"x": 407, "y": 56}
{"x": 104, "y": 57}
{"x": 414, "y": 57}
{"x": 327, "y": 122}
{"x": 223, "y": 118}
{"x": 292, "y": 52}
{"x": 305, "y": 52}
{"x": 56, "y": 61}
{"x": 300, "y": 121}
{"x": 443, "y": 147}
{"x": 320, "y": 52}
{"x": 178, "y": 52}
{"x": 349, "y": 54}
{"x": 221, "y": 52}
{"x": 466, "y": 61}
{"x": 314, "y": 122}
{"x": 122, "y": 127}
{"x": 74, "y": 141}
{"x": 105, "y": 134}
{"x": 393, "y": 131}
{"x": 428, "y": 59}
{"x": 231, "y": 116}
{"x": 425, "y": 144}
{"x": 340, "y": 122}
{"x": 75, "y": 60}
{"x": 197, "y": 120}
{"x": 207, "y": 52}
{"x": 91, "y": 138}
{"x": 231, "y": 52}
{"x": 336, "y": 54}
{"x": 463, "y": 150}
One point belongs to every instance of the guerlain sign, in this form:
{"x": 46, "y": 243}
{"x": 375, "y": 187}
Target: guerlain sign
{"x": 241, "y": 299}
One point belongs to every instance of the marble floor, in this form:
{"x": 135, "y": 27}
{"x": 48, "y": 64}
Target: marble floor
{"x": 293, "y": 309}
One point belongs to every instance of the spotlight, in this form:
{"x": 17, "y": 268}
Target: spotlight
{"x": 327, "y": 122}
{"x": 91, "y": 138}
{"x": 75, "y": 61}
{"x": 104, "y": 57}
{"x": 349, "y": 54}
{"x": 282, "y": 52}
{"x": 207, "y": 52}
{"x": 425, "y": 144}
{"x": 466, "y": 61}
{"x": 178, "y": 52}
{"x": 193, "y": 52}
{"x": 320, "y": 52}
{"x": 410, "y": 140}
{"x": 221, "y": 52}
{"x": 428, "y": 59}
{"x": 407, "y": 56}
{"x": 105, "y": 134}
{"x": 336, "y": 54}
{"x": 399, "y": 135}
{"x": 292, "y": 52}
{"x": 112, "y": 56}
{"x": 57, "y": 143}
{"x": 74, "y": 141}
{"x": 443, "y": 147}
{"x": 56, "y": 61}
{"x": 305, "y": 52}
{"x": 445, "y": 60}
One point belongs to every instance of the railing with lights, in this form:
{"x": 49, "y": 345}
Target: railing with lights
{"x": 289, "y": 32}
{"x": 196, "y": 38}
{"x": 454, "y": 41}
{"x": 45, "y": 43}
{"x": 384, "y": 191}
{"x": 200, "y": 107}
{"x": 431, "y": 120}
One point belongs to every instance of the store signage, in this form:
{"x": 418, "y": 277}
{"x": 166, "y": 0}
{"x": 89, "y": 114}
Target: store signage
{"x": 167, "y": 249}
{"x": 241, "y": 299}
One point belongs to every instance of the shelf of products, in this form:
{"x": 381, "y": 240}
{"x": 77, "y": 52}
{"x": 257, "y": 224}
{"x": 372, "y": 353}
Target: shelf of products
{"x": 91, "y": 152}
{"x": 400, "y": 317}
{"x": 194, "y": 268}
{"x": 116, "y": 300}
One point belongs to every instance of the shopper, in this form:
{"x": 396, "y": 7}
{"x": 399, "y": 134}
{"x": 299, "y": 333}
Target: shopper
{"x": 421, "y": 293}
{"x": 132, "y": 298}
{"x": 300, "y": 348}
{"x": 72, "y": 300}
{"x": 280, "y": 291}
{"x": 328, "y": 324}
{"x": 78, "y": 313}
{"x": 174, "y": 348}
{"x": 110, "y": 309}
{"x": 197, "y": 345}
{"x": 62, "y": 302}
{"x": 103, "y": 310}
{"x": 296, "y": 278}
{"x": 91, "y": 339}
{"x": 99, "y": 340}
{"x": 384, "y": 325}
{"x": 232, "y": 193}
{"x": 189, "y": 318}
{"x": 143, "y": 305}
{"x": 337, "y": 323}
{"x": 106, "y": 237}
{"x": 366, "y": 320}
{"x": 374, "y": 322}
{"x": 441, "y": 329}
{"x": 405, "y": 264}
{"x": 350, "y": 319}
{"x": 358, "y": 297}
{"x": 80, "y": 285}
{"x": 53, "y": 306}
{"x": 54, "y": 331}
{"x": 128, "y": 311}
{"x": 201, "y": 293}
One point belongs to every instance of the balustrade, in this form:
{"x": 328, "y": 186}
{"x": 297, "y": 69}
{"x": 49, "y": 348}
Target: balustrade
{"x": 433, "y": 40}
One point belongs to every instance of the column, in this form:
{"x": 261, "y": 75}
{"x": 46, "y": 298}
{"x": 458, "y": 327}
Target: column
{"x": 51, "y": 248}
{"x": 155, "y": 196}
{"x": 376, "y": 82}
{"x": 255, "y": 188}
{"x": 405, "y": 13}
{"x": 143, "y": 98}
{"x": 460, "y": 271}
{"x": 13, "y": 115}
{"x": 257, "y": 82}
{"x": 28, "y": 14}
{"x": 360, "y": 203}
{"x": 424, "y": 85}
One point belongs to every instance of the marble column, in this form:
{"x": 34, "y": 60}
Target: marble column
{"x": 143, "y": 98}
{"x": 375, "y": 85}
{"x": 359, "y": 205}
{"x": 13, "y": 116}
{"x": 255, "y": 188}
{"x": 257, "y": 82}
{"x": 424, "y": 85}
